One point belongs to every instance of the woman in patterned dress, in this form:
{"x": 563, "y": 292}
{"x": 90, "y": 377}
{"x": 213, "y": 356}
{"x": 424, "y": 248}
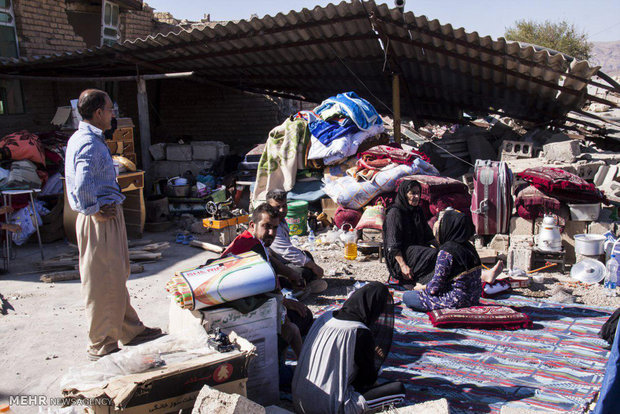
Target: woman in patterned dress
{"x": 458, "y": 277}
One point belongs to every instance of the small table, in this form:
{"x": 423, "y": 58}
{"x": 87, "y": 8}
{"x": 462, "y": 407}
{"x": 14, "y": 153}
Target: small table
{"x": 6, "y": 197}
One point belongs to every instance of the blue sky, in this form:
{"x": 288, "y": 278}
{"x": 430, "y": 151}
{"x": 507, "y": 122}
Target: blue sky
{"x": 600, "y": 19}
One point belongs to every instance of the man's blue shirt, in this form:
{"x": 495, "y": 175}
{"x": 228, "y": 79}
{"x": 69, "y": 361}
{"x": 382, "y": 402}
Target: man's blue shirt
{"x": 89, "y": 171}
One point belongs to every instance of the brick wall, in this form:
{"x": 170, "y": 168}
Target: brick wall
{"x": 43, "y": 28}
{"x": 138, "y": 23}
{"x": 195, "y": 111}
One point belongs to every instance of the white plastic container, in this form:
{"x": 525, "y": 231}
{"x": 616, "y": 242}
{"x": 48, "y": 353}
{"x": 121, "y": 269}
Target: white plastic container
{"x": 584, "y": 212}
{"x": 590, "y": 244}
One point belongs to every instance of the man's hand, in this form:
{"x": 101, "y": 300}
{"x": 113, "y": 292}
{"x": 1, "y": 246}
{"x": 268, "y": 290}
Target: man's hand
{"x": 6, "y": 210}
{"x": 316, "y": 269}
{"x": 419, "y": 287}
{"x": 13, "y": 228}
{"x": 293, "y": 305}
{"x": 296, "y": 280}
{"x": 105, "y": 213}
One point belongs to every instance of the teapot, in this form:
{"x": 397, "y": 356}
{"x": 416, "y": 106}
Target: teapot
{"x": 549, "y": 237}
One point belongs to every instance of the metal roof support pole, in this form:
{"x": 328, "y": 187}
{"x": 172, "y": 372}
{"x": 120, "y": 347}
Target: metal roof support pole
{"x": 396, "y": 106}
{"x": 145, "y": 130}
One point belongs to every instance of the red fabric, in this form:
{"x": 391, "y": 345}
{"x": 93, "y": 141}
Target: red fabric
{"x": 457, "y": 201}
{"x": 383, "y": 155}
{"x": 22, "y": 145}
{"x": 480, "y": 317}
{"x": 344, "y": 216}
{"x": 562, "y": 185}
{"x": 242, "y": 243}
{"x": 432, "y": 185}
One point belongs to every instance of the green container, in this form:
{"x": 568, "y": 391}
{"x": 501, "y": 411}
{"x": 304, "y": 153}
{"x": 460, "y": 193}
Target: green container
{"x": 297, "y": 217}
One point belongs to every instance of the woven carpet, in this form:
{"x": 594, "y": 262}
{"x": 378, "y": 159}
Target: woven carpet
{"x": 556, "y": 366}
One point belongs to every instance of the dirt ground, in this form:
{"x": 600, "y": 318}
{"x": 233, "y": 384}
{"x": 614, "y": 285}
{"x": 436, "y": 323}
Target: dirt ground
{"x": 43, "y": 334}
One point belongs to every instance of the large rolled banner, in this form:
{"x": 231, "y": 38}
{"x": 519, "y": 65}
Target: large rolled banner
{"x": 223, "y": 280}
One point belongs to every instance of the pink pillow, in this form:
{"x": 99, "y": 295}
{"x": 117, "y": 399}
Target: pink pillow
{"x": 480, "y": 317}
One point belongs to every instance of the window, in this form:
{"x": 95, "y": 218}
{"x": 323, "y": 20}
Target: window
{"x": 110, "y": 23}
{"x": 11, "y": 99}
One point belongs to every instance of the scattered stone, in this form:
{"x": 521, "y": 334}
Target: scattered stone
{"x": 516, "y": 149}
{"x": 565, "y": 151}
{"x": 212, "y": 401}
{"x": 176, "y": 152}
{"x": 428, "y": 407}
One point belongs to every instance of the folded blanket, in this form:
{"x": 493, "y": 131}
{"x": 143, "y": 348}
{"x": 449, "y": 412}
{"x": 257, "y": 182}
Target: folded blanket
{"x": 341, "y": 148}
{"x": 285, "y": 153}
{"x": 359, "y": 110}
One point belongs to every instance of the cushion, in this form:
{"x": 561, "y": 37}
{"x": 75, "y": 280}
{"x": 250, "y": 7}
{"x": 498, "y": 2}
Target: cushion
{"x": 347, "y": 216}
{"x": 480, "y": 317}
{"x": 372, "y": 218}
{"x": 562, "y": 185}
{"x": 433, "y": 185}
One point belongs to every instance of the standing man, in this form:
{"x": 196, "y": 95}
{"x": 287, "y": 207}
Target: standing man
{"x": 282, "y": 245}
{"x": 93, "y": 192}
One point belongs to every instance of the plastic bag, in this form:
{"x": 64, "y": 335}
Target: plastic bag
{"x": 166, "y": 350}
{"x": 24, "y": 218}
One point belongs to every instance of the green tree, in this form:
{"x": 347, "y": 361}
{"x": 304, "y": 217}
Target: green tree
{"x": 562, "y": 36}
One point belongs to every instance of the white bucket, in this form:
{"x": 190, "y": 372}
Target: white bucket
{"x": 589, "y": 244}
{"x": 584, "y": 212}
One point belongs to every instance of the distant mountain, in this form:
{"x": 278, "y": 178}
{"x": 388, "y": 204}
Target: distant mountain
{"x": 607, "y": 55}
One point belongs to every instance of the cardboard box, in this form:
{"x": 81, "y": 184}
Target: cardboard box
{"x": 170, "y": 388}
{"x": 329, "y": 207}
{"x": 259, "y": 327}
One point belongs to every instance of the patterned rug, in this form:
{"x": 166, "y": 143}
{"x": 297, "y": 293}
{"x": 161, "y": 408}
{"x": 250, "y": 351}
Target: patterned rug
{"x": 556, "y": 366}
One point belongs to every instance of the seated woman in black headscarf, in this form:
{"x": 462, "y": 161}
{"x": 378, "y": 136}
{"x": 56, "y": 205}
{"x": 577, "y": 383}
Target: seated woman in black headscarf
{"x": 407, "y": 238}
{"x": 457, "y": 280}
{"x": 341, "y": 356}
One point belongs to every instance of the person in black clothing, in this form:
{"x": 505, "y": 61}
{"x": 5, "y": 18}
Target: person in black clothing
{"x": 408, "y": 238}
{"x": 338, "y": 368}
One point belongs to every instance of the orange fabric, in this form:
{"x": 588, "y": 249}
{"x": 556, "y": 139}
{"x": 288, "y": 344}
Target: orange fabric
{"x": 22, "y": 145}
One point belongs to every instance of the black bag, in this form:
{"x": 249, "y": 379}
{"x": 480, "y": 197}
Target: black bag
{"x": 608, "y": 330}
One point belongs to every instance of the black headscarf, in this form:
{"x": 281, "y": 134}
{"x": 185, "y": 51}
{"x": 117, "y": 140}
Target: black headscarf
{"x": 455, "y": 230}
{"x": 401, "y": 202}
{"x": 373, "y": 306}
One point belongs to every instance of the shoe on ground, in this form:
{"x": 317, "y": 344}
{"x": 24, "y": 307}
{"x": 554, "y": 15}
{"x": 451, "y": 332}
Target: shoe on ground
{"x": 97, "y": 357}
{"x": 147, "y": 335}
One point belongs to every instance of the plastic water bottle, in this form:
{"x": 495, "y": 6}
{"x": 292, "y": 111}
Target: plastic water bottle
{"x": 611, "y": 277}
{"x": 311, "y": 240}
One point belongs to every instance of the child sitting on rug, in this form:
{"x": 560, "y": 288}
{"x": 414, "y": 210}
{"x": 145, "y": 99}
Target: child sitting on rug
{"x": 458, "y": 277}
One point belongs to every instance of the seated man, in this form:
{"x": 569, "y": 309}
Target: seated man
{"x": 293, "y": 256}
{"x": 258, "y": 237}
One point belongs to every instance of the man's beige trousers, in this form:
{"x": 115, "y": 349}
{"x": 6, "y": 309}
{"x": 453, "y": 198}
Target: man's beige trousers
{"x": 104, "y": 270}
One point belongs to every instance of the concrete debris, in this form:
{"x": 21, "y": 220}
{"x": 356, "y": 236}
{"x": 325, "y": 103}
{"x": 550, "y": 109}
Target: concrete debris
{"x": 599, "y": 107}
{"x": 178, "y": 152}
{"x": 521, "y": 227}
{"x": 520, "y": 258}
{"x": 511, "y": 150}
{"x": 158, "y": 151}
{"x": 212, "y": 401}
{"x": 429, "y": 407}
{"x": 565, "y": 151}
{"x": 500, "y": 242}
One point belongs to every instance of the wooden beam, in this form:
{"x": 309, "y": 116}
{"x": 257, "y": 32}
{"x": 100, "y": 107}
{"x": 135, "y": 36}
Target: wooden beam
{"x": 99, "y": 78}
{"x": 396, "y": 106}
{"x": 145, "y": 127}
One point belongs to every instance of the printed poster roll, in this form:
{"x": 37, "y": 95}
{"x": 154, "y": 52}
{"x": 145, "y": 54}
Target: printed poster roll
{"x": 224, "y": 280}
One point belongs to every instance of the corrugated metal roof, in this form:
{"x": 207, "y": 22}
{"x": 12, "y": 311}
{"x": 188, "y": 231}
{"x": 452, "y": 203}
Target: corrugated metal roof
{"x": 356, "y": 46}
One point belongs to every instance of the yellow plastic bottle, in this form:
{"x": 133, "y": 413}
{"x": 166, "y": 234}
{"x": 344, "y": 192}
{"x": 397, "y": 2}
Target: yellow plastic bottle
{"x": 350, "y": 245}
